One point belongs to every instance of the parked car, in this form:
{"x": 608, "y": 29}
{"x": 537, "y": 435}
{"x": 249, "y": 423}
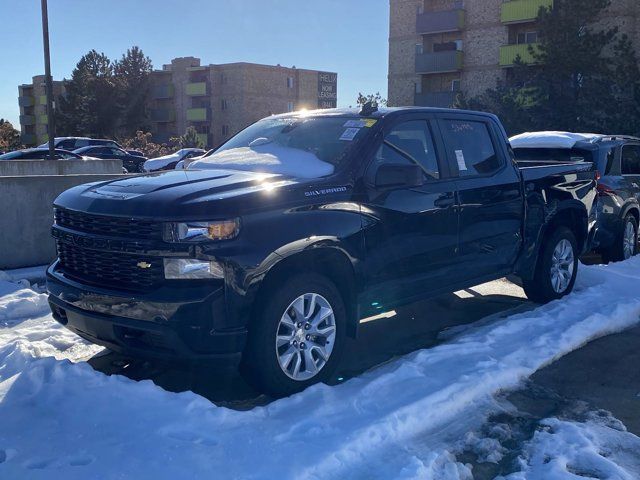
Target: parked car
{"x": 132, "y": 163}
{"x": 39, "y": 154}
{"x": 169, "y": 162}
{"x": 73, "y": 143}
{"x": 617, "y": 159}
{"x": 271, "y": 249}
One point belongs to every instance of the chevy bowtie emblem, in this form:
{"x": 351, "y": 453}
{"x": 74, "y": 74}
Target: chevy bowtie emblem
{"x": 144, "y": 265}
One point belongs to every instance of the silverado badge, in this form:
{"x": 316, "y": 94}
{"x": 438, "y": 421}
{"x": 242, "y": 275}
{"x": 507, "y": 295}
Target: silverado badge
{"x": 144, "y": 265}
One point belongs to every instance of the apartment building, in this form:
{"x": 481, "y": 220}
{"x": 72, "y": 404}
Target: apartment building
{"x": 438, "y": 48}
{"x": 32, "y": 99}
{"x": 217, "y": 100}
{"x": 220, "y": 100}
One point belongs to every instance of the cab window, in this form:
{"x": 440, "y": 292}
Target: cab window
{"x": 409, "y": 143}
{"x": 470, "y": 147}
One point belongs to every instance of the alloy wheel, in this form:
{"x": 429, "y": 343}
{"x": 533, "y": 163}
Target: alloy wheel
{"x": 305, "y": 336}
{"x": 562, "y": 265}
{"x": 629, "y": 241}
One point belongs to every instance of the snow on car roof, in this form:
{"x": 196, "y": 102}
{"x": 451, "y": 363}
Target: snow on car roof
{"x": 551, "y": 139}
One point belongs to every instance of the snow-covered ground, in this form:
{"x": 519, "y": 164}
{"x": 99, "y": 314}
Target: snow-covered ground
{"x": 407, "y": 419}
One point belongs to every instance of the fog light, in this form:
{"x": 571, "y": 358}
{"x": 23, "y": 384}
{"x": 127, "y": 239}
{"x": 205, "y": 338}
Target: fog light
{"x": 191, "y": 269}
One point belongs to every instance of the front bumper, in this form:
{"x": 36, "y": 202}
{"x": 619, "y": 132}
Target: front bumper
{"x": 184, "y": 321}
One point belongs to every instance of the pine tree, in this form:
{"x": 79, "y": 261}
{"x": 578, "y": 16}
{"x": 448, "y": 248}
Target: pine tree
{"x": 89, "y": 106}
{"x": 132, "y": 77}
{"x": 189, "y": 139}
{"x": 581, "y": 77}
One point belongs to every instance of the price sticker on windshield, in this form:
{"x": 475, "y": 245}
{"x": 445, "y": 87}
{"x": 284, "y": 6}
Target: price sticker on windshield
{"x": 349, "y": 134}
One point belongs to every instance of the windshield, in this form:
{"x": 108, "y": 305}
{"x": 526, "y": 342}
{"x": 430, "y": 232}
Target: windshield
{"x": 297, "y": 146}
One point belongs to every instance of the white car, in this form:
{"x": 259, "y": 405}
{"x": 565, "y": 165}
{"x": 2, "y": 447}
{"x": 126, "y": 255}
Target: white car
{"x": 169, "y": 162}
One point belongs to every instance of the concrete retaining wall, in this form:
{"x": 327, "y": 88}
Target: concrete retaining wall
{"x": 15, "y": 168}
{"x": 26, "y": 215}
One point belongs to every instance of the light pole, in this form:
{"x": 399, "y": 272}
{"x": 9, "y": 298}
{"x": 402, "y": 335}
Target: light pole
{"x": 48, "y": 80}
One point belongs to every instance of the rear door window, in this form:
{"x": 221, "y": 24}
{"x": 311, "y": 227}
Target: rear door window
{"x": 470, "y": 147}
{"x": 631, "y": 160}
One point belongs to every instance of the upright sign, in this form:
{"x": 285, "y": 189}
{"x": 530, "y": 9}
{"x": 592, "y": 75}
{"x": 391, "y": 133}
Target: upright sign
{"x": 327, "y": 90}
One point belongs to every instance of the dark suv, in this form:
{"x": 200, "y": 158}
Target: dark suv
{"x": 617, "y": 159}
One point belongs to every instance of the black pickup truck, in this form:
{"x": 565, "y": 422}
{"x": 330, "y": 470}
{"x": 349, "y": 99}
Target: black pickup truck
{"x": 270, "y": 249}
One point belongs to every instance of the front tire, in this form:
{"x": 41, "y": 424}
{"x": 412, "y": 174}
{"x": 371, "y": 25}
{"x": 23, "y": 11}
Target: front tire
{"x": 297, "y": 336}
{"x": 626, "y": 243}
{"x": 557, "y": 268}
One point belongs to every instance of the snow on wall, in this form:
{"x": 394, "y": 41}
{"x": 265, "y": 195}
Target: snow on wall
{"x": 60, "y": 419}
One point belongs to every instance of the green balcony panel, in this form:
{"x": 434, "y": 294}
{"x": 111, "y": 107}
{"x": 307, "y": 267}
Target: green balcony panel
{"x": 27, "y": 120}
{"x": 509, "y": 53}
{"x": 42, "y": 100}
{"x": 28, "y": 139}
{"x": 204, "y": 139}
{"x": 163, "y": 115}
{"x": 197, "y": 114}
{"x": 26, "y": 101}
{"x": 520, "y": 11}
{"x": 435, "y": 99}
{"x": 197, "y": 89}
{"x": 162, "y": 91}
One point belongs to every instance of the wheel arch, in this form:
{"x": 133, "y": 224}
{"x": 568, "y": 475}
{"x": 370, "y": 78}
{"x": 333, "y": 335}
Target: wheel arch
{"x": 328, "y": 261}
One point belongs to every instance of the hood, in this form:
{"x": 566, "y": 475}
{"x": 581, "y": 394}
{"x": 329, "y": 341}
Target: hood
{"x": 182, "y": 194}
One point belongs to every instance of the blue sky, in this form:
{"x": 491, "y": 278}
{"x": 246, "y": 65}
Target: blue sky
{"x": 345, "y": 36}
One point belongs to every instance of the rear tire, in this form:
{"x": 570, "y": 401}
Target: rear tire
{"x": 296, "y": 337}
{"x": 626, "y": 243}
{"x": 556, "y": 270}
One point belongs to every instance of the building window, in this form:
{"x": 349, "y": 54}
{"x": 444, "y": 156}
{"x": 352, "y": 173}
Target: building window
{"x": 225, "y": 130}
{"x": 527, "y": 37}
{"x": 419, "y": 49}
{"x": 289, "y": 82}
{"x": 290, "y": 107}
{"x": 224, "y": 104}
{"x": 223, "y": 78}
{"x": 455, "y": 85}
{"x": 418, "y": 87}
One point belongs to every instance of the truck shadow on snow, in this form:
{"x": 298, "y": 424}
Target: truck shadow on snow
{"x": 414, "y": 327}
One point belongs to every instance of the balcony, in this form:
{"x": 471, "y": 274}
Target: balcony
{"x": 28, "y": 139}
{"x": 197, "y": 89}
{"x": 521, "y": 11}
{"x": 162, "y": 91}
{"x": 27, "y": 120}
{"x": 435, "y": 99}
{"x": 440, "y": 22}
{"x": 439, "y": 62}
{"x": 42, "y": 100}
{"x": 509, "y": 53}
{"x": 197, "y": 114}
{"x": 162, "y": 115}
{"x": 26, "y": 101}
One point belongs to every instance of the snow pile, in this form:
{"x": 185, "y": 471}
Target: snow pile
{"x": 267, "y": 158}
{"x": 19, "y": 301}
{"x": 64, "y": 420}
{"x": 564, "y": 450}
{"x": 550, "y": 139}
{"x": 160, "y": 162}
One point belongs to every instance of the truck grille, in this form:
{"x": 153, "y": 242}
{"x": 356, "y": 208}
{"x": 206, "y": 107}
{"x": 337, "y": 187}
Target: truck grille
{"x": 108, "y": 269}
{"x": 108, "y": 226}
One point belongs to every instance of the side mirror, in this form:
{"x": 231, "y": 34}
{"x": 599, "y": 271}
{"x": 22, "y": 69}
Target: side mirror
{"x": 390, "y": 175}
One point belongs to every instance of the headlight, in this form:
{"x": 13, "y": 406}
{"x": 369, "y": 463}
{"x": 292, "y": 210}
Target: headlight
{"x": 202, "y": 231}
{"x": 191, "y": 269}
